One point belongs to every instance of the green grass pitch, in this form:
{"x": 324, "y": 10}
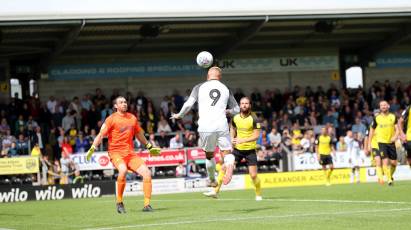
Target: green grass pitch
{"x": 357, "y": 206}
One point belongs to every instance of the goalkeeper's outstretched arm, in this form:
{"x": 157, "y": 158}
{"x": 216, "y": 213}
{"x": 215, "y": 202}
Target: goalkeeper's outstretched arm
{"x": 100, "y": 135}
{"x": 97, "y": 141}
{"x": 143, "y": 140}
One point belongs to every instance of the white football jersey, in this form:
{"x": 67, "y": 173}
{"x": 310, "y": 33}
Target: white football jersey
{"x": 213, "y": 99}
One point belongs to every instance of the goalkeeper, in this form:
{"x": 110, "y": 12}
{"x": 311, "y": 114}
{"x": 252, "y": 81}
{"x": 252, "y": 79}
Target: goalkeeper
{"x": 121, "y": 127}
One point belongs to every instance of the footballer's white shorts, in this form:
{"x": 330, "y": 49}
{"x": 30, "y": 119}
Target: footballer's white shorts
{"x": 210, "y": 140}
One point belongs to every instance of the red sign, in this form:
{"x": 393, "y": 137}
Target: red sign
{"x": 104, "y": 160}
{"x": 199, "y": 154}
{"x": 167, "y": 157}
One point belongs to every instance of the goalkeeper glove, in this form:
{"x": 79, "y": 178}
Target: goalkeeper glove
{"x": 90, "y": 152}
{"x": 153, "y": 150}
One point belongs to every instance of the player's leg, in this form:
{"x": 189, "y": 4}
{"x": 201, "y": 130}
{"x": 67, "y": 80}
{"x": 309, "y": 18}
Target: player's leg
{"x": 136, "y": 164}
{"x": 330, "y": 171}
{"x": 392, "y": 160}
{"x": 378, "y": 166}
{"x": 252, "y": 170}
{"x": 222, "y": 168}
{"x": 385, "y": 161}
{"x": 352, "y": 176}
{"x": 121, "y": 167}
{"x": 408, "y": 148}
{"x": 357, "y": 173}
{"x": 208, "y": 142}
{"x": 324, "y": 166}
{"x": 224, "y": 143}
{"x": 211, "y": 169}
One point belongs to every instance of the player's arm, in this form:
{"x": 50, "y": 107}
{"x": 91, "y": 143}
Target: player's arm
{"x": 371, "y": 136}
{"x": 316, "y": 148}
{"x": 188, "y": 104}
{"x": 143, "y": 140}
{"x": 233, "y": 107}
{"x": 365, "y": 145}
{"x": 401, "y": 121}
{"x": 233, "y": 132}
{"x": 396, "y": 131}
{"x": 97, "y": 141}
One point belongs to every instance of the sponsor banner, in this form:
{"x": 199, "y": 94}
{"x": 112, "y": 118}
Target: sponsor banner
{"x": 180, "y": 185}
{"x": 19, "y": 165}
{"x": 160, "y": 186}
{"x": 98, "y": 161}
{"x": 189, "y": 67}
{"x": 199, "y": 154}
{"x": 289, "y": 179}
{"x": 101, "y": 160}
{"x": 280, "y": 64}
{"x": 390, "y": 61}
{"x": 309, "y": 161}
{"x": 55, "y": 192}
{"x": 166, "y": 158}
{"x": 200, "y": 184}
{"x": 403, "y": 172}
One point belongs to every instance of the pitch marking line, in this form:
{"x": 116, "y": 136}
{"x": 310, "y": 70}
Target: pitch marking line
{"x": 288, "y": 200}
{"x": 252, "y": 218}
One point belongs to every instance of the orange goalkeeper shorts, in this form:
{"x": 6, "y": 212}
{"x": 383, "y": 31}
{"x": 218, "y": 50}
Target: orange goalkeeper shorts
{"x": 132, "y": 160}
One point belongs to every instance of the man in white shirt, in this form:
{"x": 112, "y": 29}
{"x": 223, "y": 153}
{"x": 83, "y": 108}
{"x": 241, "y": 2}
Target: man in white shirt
{"x": 176, "y": 142}
{"x": 51, "y": 105}
{"x": 274, "y": 137}
{"x": 213, "y": 98}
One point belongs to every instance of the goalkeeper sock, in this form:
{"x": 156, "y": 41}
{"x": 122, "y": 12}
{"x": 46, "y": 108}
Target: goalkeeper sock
{"x": 121, "y": 184}
{"x": 257, "y": 186}
{"x": 147, "y": 189}
{"x": 210, "y": 165}
{"x": 220, "y": 178}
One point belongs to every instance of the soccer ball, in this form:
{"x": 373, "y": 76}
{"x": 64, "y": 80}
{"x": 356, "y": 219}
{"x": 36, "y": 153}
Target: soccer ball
{"x": 204, "y": 59}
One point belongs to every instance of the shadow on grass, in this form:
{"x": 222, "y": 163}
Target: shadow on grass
{"x": 250, "y": 210}
{"x": 16, "y": 215}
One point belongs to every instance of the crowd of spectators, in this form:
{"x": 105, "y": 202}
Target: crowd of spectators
{"x": 292, "y": 117}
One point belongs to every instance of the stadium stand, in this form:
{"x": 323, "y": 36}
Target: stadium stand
{"x": 291, "y": 117}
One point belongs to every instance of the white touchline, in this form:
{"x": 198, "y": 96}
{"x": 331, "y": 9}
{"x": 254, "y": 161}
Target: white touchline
{"x": 288, "y": 200}
{"x": 252, "y": 218}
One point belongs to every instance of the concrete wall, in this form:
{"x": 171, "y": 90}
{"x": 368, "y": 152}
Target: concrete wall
{"x": 393, "y": 74}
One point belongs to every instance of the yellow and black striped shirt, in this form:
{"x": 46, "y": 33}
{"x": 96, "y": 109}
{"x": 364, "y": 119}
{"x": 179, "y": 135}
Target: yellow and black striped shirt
{"x": 384, "y": 126}
{"x": 324, "y": 143}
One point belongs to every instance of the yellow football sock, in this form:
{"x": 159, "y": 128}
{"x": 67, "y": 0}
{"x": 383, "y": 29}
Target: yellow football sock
{"x": 329, "y": 172}
{"x": 221, "y": 174}
{"x": 387, "y": 171}
{"x": 379, "y": 173}
{"x": 393, "y": 167}
{"x": 257, "y": 186}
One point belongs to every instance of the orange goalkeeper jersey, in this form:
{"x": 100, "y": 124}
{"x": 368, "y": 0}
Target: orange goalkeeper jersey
{"x": 121, "y": 130}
